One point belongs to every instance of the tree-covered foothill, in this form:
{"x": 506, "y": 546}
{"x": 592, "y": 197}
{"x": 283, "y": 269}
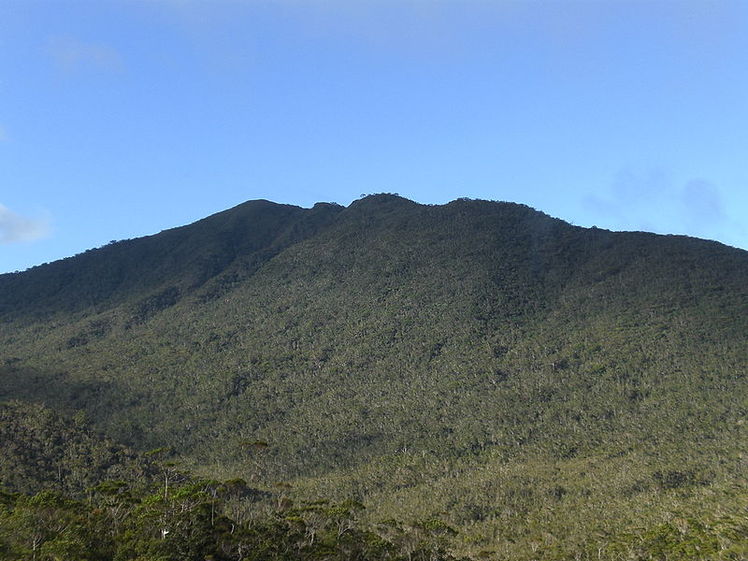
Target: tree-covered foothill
{"x": 177, "y": 516}
{"x": 545, "y": 390}
{"x": 43, "y": 450}
{"x": 191, "y": 524}
{"x": 158, "y": 512}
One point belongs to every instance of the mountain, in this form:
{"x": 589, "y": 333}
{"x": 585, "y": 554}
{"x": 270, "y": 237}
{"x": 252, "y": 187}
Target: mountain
{"x": 542, "y": 387}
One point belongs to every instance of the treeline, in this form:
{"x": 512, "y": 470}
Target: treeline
{"x": 191, "y": 521}
{"x": 200, "y": 520}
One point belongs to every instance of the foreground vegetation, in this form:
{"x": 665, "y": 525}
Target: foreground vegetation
{"x": 193, "y": 522}
{"x": 546, "y": 391}
{"x": 171, "y": 515}
{"x": 162, "y": 513}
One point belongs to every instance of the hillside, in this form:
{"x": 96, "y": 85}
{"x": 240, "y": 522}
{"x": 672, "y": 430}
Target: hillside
{"x": 480, "y": 362}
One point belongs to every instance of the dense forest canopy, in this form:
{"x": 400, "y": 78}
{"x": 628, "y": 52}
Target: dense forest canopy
{"x": 496, "y": 381}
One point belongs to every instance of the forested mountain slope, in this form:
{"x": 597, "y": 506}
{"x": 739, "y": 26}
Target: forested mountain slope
{"x": 477, "y": 359}
{"x": 175, "y": 261}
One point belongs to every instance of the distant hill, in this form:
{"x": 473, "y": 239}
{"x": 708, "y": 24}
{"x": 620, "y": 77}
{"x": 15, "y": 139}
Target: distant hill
{"x": 42, "y": 450}
{"x": 533, "y": 381}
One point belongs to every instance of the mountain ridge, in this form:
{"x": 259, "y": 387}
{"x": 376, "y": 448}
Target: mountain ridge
{"x": 172, "y": 251}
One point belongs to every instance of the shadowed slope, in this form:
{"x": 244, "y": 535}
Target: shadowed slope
{"x": 168, "y": 264}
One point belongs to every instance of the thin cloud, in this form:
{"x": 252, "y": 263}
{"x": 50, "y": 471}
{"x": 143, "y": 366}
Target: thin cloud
{"x": 634, "y": 201}
{"x": 71, "y": 55}
{"x": 15, "y": 228}
{"x": 3, "y": 134}
{"x": 430, "y": 28}
{"x": 652, "y": 202}
{"x": 702, "y": 205}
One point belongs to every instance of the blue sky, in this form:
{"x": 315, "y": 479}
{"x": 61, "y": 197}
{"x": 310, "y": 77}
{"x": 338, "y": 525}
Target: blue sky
{"x": 123, "y": 118}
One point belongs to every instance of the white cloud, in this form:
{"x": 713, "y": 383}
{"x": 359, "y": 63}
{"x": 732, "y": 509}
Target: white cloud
{"x": 71, "y": 55}
{"x": 16, "y": 228}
